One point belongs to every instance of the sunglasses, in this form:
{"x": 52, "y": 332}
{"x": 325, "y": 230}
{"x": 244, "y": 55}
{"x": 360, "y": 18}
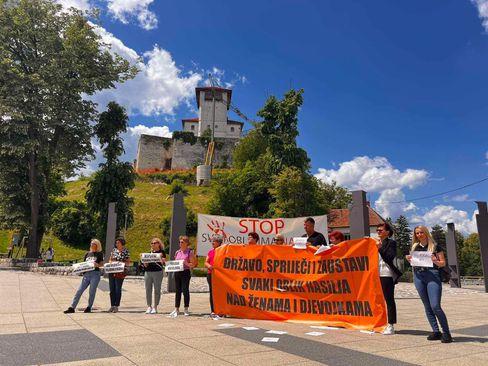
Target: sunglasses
{"x": 154, "y": 242}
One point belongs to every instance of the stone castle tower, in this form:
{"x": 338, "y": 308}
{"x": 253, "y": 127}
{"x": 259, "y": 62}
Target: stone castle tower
{"x": 185, "y": 151}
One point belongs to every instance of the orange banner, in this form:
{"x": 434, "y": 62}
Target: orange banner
{"x": 340, "y": 287}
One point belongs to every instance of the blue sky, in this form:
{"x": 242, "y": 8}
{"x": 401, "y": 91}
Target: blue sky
{"x": 395, "y": 92}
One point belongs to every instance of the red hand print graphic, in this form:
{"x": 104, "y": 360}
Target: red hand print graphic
{"x": 217, "y": 228}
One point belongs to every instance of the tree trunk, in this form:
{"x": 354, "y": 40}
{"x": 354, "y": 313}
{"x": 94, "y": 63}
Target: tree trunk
{"x": 33, "y": 243}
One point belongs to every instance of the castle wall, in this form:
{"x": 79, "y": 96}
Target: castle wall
{"x": 154, "y": 153}
{"x": 187, "y": 156}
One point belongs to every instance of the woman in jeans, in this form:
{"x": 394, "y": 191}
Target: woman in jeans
{"x": 428, "y": 283}
{"x": 90, "y": 278}
{"x": 209, "y": 261}
{"x": 182, "y": 279}
{"x": 115, "y": 280}
{"x": 153, "y": 277}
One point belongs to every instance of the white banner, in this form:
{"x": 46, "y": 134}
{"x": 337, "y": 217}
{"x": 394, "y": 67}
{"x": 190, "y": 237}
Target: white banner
{"x": 83, "y": 267}
{"x": 114, "y": 267}
{"x": 151, "y": 257}
{"x": 174, "y": 266}
{"x": 234, "y": 230}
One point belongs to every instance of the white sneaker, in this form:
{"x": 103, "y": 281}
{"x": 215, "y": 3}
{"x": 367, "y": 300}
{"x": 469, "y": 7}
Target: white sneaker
{"x": 116, "y": 309}
{"x": 214, "y": 316}
{"x": 186, "y": 312}
{"x": 149, "y": 309}
{"x": 389, "y": 330}
{"x": 173, "y": 314}
{"x": 154, "y": 310}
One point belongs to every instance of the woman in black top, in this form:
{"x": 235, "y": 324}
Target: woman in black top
{"x": 153, "y": 277}
{"x": 115, "y": 280}
{"x": 428, "y": 283}
{"x": 90, "y": 278}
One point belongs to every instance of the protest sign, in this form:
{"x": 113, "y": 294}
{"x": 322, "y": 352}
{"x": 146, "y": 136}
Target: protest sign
{"x": 234, "y": 230}
{"x": 114, "y": 267}
{"x": 83, "y": 267}
{"x": 341, "y": 287}
{"x": 421, "y": 259}
{"x": 151, "y": 257}
{"x": 175, "y": 266}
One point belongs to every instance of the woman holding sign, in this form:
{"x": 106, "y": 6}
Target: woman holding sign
{"x": 209, "y": 261}
{"x": 115, "y": 280}
{"x": 428, "y": 281}
{"x": 90, "y": 278}
{"x": 182, "y": 278}
{"x": 153, "y": 277}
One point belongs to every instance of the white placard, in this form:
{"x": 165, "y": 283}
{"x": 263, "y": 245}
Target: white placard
{"x": 270, "y": 339}
{"x": 322, "y": 249}
{"x": 83, "y": 267}
{"x": 114, "y": 267}
{"x": 234, "y": 230}
{"x": 151, "y": 257}
{"x": 300, "y": 243}
{"x": 421, "y": 259}
{"x": 174, "y": 266}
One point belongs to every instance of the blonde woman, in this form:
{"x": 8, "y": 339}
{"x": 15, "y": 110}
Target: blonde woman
{"x": 153, "y": 277}
{"x": 91, "y": 278}
{"x": 428, "y": 283}
{"x": 182, "y": 279}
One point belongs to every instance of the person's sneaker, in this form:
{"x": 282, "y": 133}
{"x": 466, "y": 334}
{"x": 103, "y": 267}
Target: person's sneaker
{"x": 214, "y": 316}
{"x": 110, "y": 310}
{"x": 87, "y": 310}
{"x": 186, "y": 312}
{"x": 435, "y": 336}
{"x": 149, "y": 309}
{"x": 173, "y": 314}
{"x": 154, "y": 310}
{"x": 389, "y": 330}
{"x": 446, "y": 338}
{"x": 115, "y": 309}
{"x": 69, "y": 310}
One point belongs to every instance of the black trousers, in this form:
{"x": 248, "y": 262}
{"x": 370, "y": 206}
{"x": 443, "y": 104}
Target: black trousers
{"x": 115, "y": 285}
{"x": 209, "y": 280}
{"x": 388, "y": 287}
{"x": 182, "y": 284}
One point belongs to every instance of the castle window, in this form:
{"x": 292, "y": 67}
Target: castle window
{"x": 208, "y": 95}
{"x": 192, "y": 127}
{"x": 232, "y": 129}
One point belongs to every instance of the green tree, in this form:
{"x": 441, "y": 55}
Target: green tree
{"x": 48, "y": 60}
{"x": 439, "y": 235}
{"x": 250, "y": 148}
{"x": 113, "y": 181}
{"x": 403, "y": 236}
{"x": 470, "y": 256}
{"x": 73, "y": 223}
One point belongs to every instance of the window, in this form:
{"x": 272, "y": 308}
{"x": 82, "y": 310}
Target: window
{"x": 192, "y": 127}
{"x": 232, "y": 129}
{"x": 208, "y": 95}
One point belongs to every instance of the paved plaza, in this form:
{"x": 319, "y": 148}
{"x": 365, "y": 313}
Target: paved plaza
{"x": 34, "y": 331}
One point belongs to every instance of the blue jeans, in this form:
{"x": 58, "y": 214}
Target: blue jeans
{"x": 91, "y": 279}
{"x": 115, "y": 285}
{"x": 429, "y": 287}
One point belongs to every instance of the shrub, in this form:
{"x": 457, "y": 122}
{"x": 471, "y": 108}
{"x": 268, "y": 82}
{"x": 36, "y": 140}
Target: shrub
{"x": 73, "y": 223}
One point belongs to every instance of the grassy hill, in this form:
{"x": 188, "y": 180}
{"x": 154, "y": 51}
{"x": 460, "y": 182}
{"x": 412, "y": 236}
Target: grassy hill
{"x": 150, "y": 207}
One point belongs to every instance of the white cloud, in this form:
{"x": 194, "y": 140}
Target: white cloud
{"x": 377, "y": 175}
{"x": 160, "y": 86}
{"x": 372, "y": 175}
{"x": 443, "y": 214}
{"x": 78, "y": 4}
{"x": 125, "y": 10}
{"x": 386, "y": 208}
{"x": 482, "y": 6}
{"x": 460, "y": 198}
{"x": 131, "y": 140}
